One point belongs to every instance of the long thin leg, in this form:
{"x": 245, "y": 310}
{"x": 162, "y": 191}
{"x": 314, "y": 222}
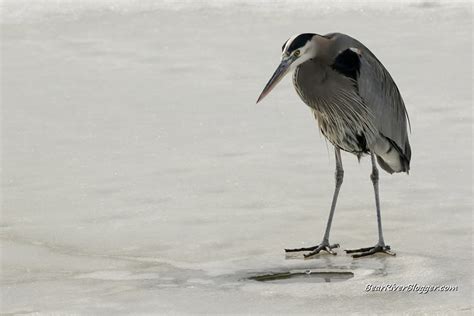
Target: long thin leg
{"x": 380, "y": 246}
{"x": 325, "y": 243}
{"x": 339, "y": 178}
{"x": 375, "y": 181}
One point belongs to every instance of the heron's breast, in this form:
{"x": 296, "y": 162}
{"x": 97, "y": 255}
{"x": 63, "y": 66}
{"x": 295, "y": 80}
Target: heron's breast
{"x": 341, "y": 114}
{"x": 309, "y": 83}
{"x": 348, "y": 136}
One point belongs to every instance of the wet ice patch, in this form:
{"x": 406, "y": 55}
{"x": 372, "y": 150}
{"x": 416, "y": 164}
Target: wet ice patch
{"x": 297, "y": 276}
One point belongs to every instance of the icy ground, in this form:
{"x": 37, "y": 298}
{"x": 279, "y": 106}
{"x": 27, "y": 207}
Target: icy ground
{"x": 139, "y": 176}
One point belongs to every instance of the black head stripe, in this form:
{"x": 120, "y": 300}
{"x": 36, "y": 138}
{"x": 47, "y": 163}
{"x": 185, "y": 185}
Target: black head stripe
{"x": 300, "y": 41}
{"x": 283, "y": 47}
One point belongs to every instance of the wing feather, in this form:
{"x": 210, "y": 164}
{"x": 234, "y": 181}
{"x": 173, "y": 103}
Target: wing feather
{"x": 381, "y": 95}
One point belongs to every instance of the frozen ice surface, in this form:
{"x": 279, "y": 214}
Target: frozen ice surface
{"x": 139, "y": 176}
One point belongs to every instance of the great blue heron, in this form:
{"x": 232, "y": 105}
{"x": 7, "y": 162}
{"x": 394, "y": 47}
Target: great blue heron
{"x": 358, "y": 107}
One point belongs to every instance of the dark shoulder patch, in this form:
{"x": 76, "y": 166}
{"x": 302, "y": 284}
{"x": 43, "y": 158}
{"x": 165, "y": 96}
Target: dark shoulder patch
{"x": 347, "y": 63}
{"x": 300, "y": 41}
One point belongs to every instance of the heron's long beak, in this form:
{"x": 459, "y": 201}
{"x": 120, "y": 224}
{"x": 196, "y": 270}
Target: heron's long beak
{"x": 279, "y": 73}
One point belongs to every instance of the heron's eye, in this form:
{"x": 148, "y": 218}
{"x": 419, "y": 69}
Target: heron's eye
{"x": 296, "y": 53}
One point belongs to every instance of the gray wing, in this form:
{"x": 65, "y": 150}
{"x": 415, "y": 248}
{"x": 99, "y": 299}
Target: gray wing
{"x": 377, "y": 89}
{"x": 381, "y": 95}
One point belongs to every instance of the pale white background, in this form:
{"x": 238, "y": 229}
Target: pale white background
{"x": 139, "y": 176}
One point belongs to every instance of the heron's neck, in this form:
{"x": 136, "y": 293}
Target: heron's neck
{"x": 325, "y": 47}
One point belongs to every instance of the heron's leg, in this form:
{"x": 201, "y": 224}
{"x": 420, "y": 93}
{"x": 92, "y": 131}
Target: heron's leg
{"x": 380, "y": 246}
{"x": 325, "y": 243}
{"x": 339, "y": 177}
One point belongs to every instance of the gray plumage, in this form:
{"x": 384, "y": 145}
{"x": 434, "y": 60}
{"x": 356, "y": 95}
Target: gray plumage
{"x": 348, "y": 110}
{"x": 358, "y": 107}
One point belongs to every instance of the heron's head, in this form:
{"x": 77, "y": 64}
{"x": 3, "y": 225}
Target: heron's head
{"x": 295, "y": 51}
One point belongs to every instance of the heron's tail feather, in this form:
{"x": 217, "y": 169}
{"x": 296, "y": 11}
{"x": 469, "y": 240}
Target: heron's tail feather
{"x": 391, "y": 157}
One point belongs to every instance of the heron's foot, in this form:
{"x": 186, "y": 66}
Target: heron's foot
{"x": 362, "y": 252}
{"x": 316, "y": 249}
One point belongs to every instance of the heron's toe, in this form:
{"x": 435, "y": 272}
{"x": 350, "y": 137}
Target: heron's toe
{"x": 316, "y": 249}
{"x": 363, "y": 252}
